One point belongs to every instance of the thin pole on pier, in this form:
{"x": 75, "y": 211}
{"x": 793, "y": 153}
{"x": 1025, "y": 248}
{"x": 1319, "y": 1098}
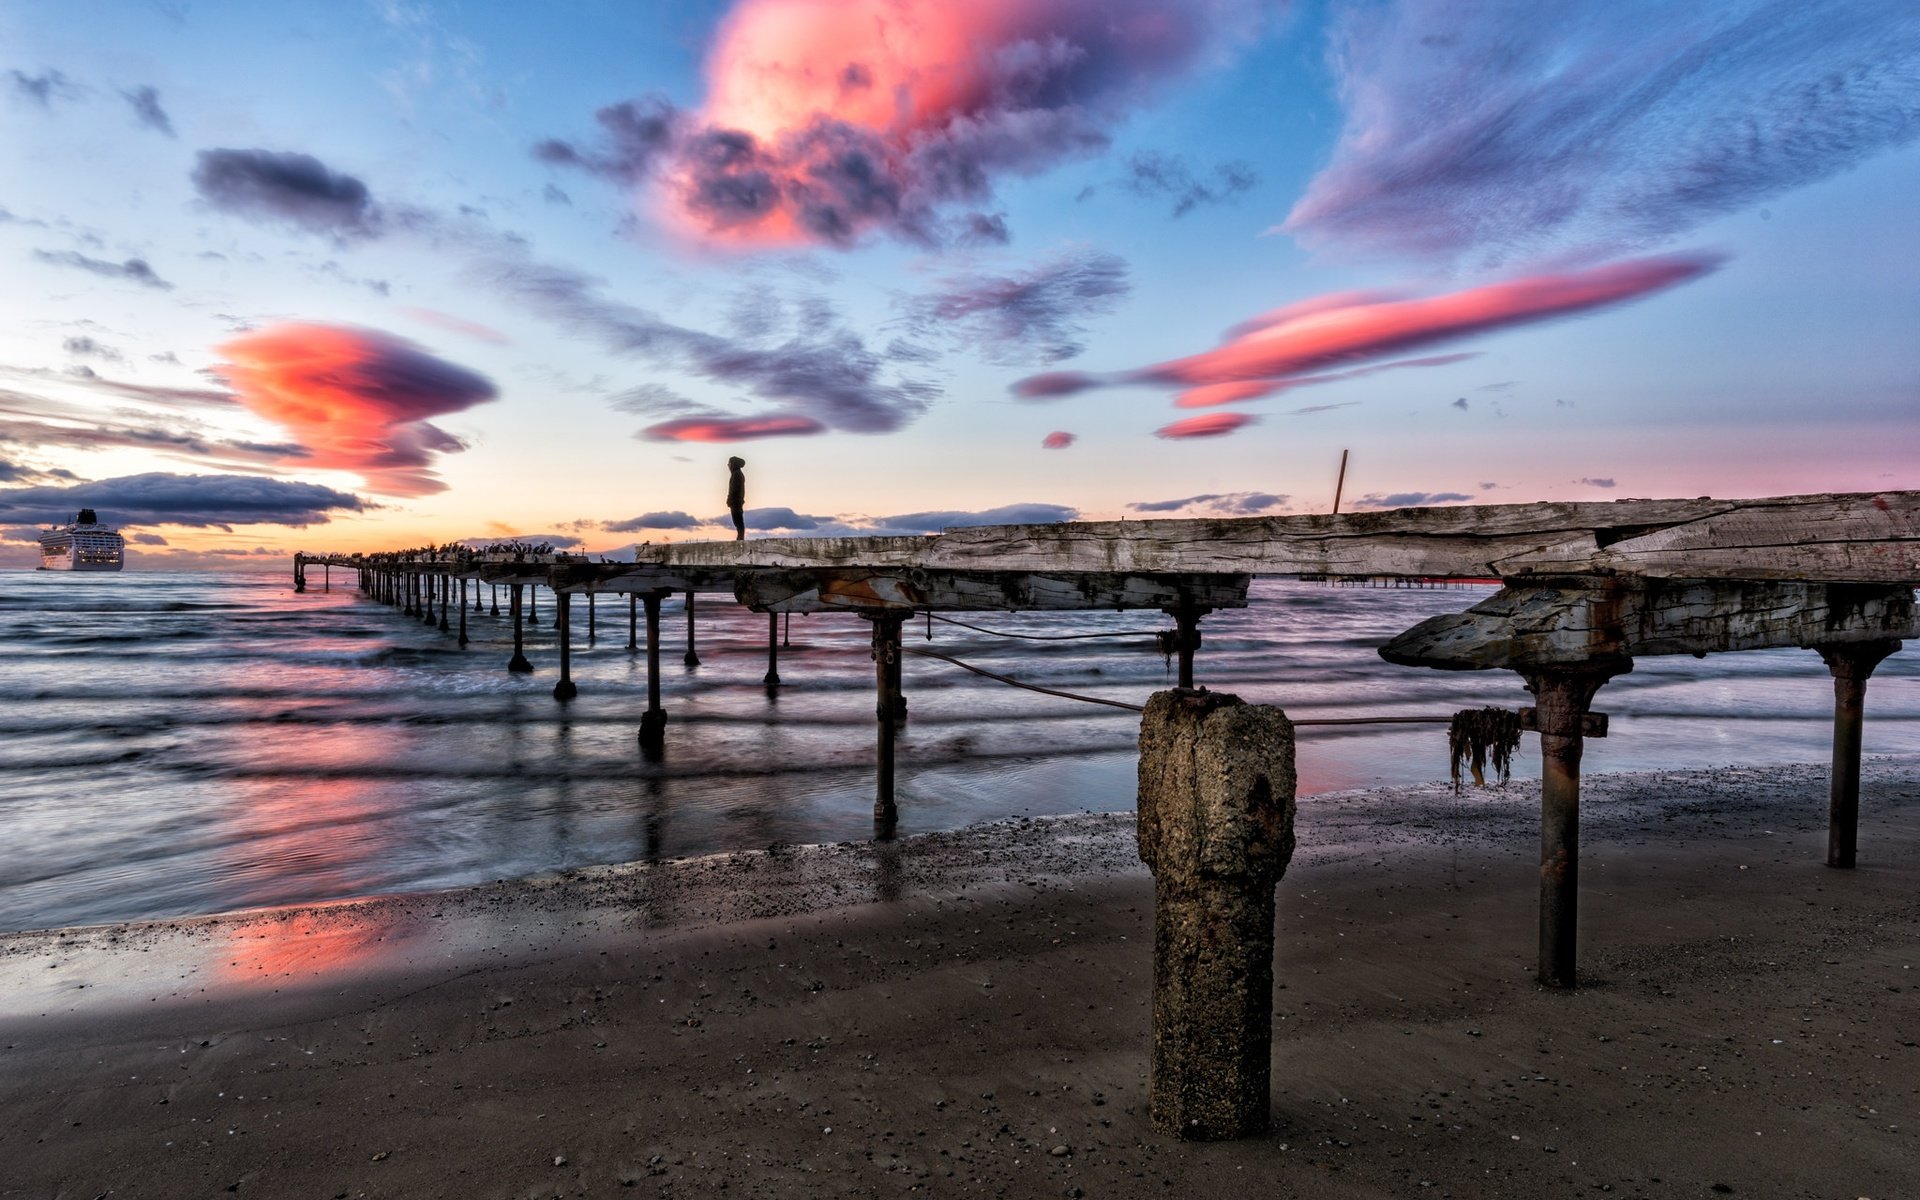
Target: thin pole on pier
{"x": 693, "y": 656}
{"x": 653, "y": 722}
{"x": 518, "y": 663}
{"x": 772, "y": 679}
{"x": 563, "y": 625}
{"x": 1850, "y": 664}
{"x": 326, "y": 576}
{"x": 1340, "y": 483}
{"x": 889, "y": 710}
{"x": 786, "y": 629}
{"x": 463, "y": 611}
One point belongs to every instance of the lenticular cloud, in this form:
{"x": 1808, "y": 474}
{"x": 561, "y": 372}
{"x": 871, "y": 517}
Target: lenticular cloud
{"x": 358, "y": 399}
{"x": 826, "y": 119}
{"x": 1487, "y": 131}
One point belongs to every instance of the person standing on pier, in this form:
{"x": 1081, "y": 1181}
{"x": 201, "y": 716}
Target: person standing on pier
{"x": 737, "y": 497}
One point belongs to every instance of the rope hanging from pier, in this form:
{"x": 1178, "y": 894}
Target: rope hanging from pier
{"x": 1475, "y": 733}
{"x": 1044, "y": 637}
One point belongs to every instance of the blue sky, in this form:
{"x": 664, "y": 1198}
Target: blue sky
{"x": 370, "y": 274}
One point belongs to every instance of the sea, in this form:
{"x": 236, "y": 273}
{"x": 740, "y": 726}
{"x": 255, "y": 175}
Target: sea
{"x": 175, "y": 744}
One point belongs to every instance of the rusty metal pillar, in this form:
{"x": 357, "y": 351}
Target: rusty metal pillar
{"x": 1850, "y": 664}
{"x": 772, "y": 679}
{"x": 463, "y": 611}
{"x": 1562, "y": 695}
{"x": 518, "y": 663}
{"x": 1185, "y": 639}
{"x": 693, "y": 658}
{"x": 563, "y": 628}
{"x": 653, "y": 722}
{"x": 889, "y": 709}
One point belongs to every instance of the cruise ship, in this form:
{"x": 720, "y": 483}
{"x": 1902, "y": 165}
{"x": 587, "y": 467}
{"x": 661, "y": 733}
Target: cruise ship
{"x": 83, "y": 544}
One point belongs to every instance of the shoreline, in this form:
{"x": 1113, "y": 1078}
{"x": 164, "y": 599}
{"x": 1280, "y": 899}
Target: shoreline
{"x": 1747, "y": 1017}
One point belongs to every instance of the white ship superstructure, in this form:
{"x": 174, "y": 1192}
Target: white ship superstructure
{"x": 83, "y": 544}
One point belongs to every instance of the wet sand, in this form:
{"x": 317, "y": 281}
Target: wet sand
{"x": 967, "y": 1014}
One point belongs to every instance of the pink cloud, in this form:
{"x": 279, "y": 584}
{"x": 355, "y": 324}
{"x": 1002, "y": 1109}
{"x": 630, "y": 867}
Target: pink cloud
{"x": 1206, "y": 425}
{"x": 1057, "y": 440}
{"x": 731, "y": 429}
{"x": 1211, "y": 394}
{"x": 453, "y": 324}
{"x": 1287, "y": 345}
{"x": 825, "y": 119}
{"x": 357, "y": 399}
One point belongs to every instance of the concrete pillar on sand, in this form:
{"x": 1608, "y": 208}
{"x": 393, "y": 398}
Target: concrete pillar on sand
{"x": 564, "y": 690}
{"x": 1562, "y": 699}
{"x": 1216, "y": 829}
{"x": 1850, "y": 663}
{"x": 518, "y": 664}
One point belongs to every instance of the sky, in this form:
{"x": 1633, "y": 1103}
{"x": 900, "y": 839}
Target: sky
{"x": 338, "y": 275}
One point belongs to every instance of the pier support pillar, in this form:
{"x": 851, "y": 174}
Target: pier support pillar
{"x": 1216, "y": 829}
{"x": 412, "y": 592}
{"x": 889, "y": 710}
{"x": 326, "y": 577}
{"x": 693, "y": 656}
{"x": 633, "y": 621}
{"x": 463, "y": 612}
{"x": 563, "y": 627}
{"x": 1562, "y": 698}
{"x": 653, "y": 722}
{"x": 593, "y": 627}
{"x": 533, "y": 604}
{"x": 299, "y": 574}
{"x": 518, "y": 663}
{"x": 496, "y": 598}
{"x": 446, "y": 594}
{"x": 1850, "y": 664}
{"x": 772, "y": 679}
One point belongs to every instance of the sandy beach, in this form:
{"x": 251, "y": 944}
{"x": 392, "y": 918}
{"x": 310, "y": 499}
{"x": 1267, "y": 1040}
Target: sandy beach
{"x": 967, "y": 1014}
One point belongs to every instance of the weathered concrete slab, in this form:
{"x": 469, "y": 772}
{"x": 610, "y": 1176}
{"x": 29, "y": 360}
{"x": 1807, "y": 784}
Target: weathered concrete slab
{"x": 1527, "y": 624}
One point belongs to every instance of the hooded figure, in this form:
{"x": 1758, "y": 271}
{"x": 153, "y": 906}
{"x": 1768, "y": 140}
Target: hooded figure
{"x": 737, "y": 497}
